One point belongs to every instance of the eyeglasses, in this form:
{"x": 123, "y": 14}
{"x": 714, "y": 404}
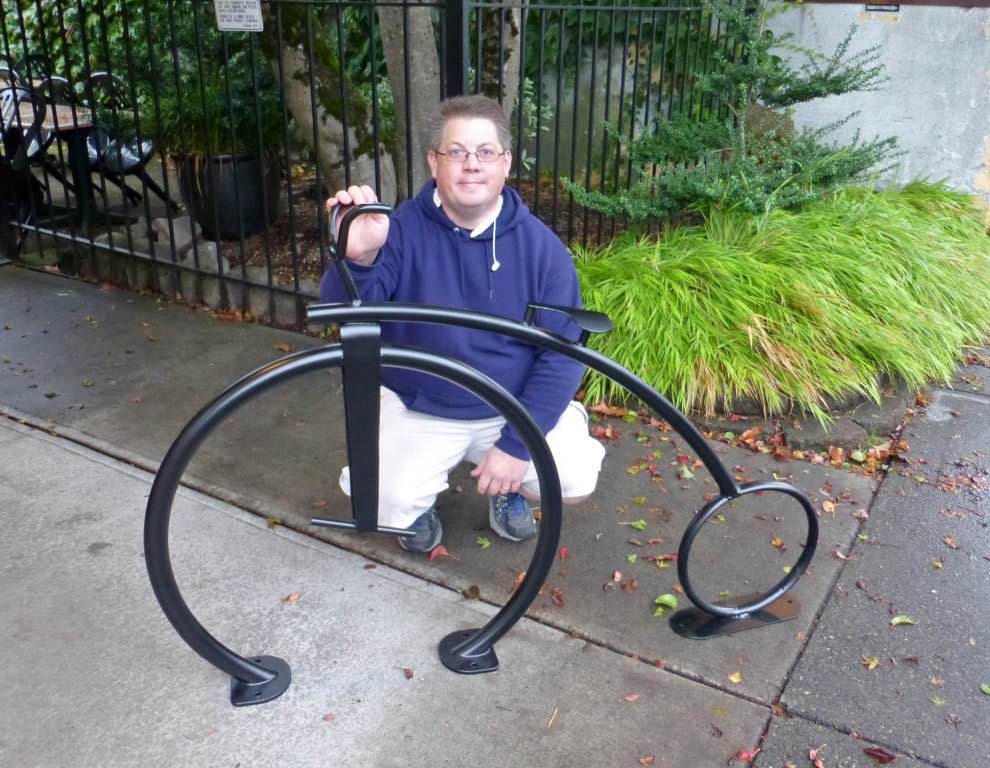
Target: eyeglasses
{"x": 484, "y": 155}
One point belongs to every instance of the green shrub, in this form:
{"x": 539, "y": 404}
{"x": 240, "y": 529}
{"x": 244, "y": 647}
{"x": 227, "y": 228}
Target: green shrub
{"x": 791, "y": 307}
{"x": 745, "y": 153}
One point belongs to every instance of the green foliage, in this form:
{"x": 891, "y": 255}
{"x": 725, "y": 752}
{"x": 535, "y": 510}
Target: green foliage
{"x": 790, "y": 307}
{"x": 171, "y": 69}
{"x": 741, "y": 154}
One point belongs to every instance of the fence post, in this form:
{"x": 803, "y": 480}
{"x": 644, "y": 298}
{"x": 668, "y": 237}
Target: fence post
{"x": 7, "y": 242}
{"x": 456, "y": 47}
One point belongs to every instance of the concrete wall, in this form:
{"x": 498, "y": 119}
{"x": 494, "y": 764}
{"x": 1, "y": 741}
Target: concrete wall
{"x": 937, "y": 102}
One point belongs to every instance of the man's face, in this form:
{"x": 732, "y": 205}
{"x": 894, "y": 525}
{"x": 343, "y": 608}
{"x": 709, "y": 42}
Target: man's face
{"x": 471, "y": 188}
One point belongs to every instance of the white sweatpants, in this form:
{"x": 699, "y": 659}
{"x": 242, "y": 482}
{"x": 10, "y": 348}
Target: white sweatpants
{"x": 417, "y": 451}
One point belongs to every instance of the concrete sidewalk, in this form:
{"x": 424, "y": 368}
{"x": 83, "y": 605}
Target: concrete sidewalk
{"x": 120, "y": 374}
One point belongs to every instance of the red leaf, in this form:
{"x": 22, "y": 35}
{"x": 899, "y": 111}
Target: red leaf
{"x": 564, "y": 552}
{"x": 631, "y": 697}
{"x": 882, "y": 756}
{"x": 557, "y": 595}
{"x": 629, "y": 585}
{"x": 439, "y": 551}
{"x": 408, "y": 673}
{"x": 329, "y": 717}
{"x": 746, "y": 755}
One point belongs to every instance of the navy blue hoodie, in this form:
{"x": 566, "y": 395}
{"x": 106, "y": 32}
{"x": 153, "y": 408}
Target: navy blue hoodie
{"x": 427, "y": 259}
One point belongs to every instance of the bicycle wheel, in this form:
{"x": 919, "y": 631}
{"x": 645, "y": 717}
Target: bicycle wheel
{"x": 263, "y": 678}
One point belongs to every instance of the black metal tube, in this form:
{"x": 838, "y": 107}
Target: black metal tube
{"x": 537, "y": 180}
{"x": 425, "y": 313}
{"x": 237, "y": 187}
{"x": 574, "y": 127}
{"x": 556, "y": 122}
{"x": 263, "y": 164}
{"x": 293, "y": 245}
{"x": 591, "y": 129}
{"x": 521, "y": 117}
{"x": 170, "y": 473}
{"x": 407, "y": 88}
{"x": 343, "y": 97}
{"x": 373, "y": 57}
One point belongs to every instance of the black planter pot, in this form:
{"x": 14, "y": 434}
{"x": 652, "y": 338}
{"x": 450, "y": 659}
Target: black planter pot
{"x": 227, "y": 195}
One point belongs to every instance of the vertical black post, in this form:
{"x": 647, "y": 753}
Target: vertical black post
{"x": 8, "y": 245}
{"x": 456, "y": 48}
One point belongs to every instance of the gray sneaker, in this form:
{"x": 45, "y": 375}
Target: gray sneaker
{"x": 510, "y": 517}
{"x": 428, "y": 529}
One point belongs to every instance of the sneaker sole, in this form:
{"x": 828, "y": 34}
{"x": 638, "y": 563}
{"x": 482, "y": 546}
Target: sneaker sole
{"x": 432, "y": 545}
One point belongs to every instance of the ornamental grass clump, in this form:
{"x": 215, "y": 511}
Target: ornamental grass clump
{"x": 793, "y": 307}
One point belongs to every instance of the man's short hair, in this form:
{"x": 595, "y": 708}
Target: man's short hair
{"x": 470, "y": 106}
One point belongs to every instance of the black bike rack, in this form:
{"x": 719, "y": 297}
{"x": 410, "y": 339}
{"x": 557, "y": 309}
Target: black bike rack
{"x": 360, "y": 354}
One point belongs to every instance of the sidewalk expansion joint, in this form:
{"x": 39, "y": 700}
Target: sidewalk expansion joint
{"x": 860, "y": 737}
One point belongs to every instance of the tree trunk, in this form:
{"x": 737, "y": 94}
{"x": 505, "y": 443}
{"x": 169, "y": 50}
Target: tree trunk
{"x": 327, "y": 141}
{"x": 411, "y": 40}
{"x": 510, "y": 20}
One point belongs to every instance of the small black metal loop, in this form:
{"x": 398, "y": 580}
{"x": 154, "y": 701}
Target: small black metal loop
{"x": 708, "y": 511}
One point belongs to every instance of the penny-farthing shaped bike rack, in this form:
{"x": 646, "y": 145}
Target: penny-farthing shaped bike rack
{"x": 361, "y": 354}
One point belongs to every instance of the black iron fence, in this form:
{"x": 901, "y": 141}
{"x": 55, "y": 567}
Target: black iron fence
{"x": 142, "y": 144}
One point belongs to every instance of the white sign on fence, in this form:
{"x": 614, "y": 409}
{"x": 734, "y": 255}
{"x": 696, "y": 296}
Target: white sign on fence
{"x": 238, "y": 15}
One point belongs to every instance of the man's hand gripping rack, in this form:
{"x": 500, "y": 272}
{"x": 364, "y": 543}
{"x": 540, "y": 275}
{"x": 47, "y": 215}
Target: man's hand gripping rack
{"x": 360, "y": 353}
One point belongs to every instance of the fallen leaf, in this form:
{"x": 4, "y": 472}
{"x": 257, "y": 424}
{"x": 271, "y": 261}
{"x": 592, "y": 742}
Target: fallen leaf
{"x": 985, "y": 689}
{"x": 667, "y": 601}
{"x": 408, "y": 673}
{"x": 938, "y": 564}
{"x": 564, "y": 552}
{"x": 951, "y": 542}
{"x": 900, "y": 619}
{"x": 472, "y": 593}
{"x": 439, "y": 551}
{"x": 839, "y": 556}
{"x": 870, "y": 662}
{"x": 631, "y": 697}
{"x": 639, "y": 525}
{"x": 777, "y": 542}
{"x": 647, "y": 760}
{"x": 291, "y": 598}
{"x": 631, "y": 557}
{"x": 938, "y": 701}
{"x": 557, "y": 595}
{"x": 283, "y": 347}
{"x": 735, "y": 677}
{"x": 329, "y": 717}
{"x": 483, "y": 542}
{"x": 813, "y": 756}
{"x": 829, "y": 506}
{"x": 88, "y": 382}
{"x": 880, "y": 755}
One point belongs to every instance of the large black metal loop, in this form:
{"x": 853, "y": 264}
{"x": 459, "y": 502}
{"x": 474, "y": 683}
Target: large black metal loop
{"x": 264, "y": 678}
